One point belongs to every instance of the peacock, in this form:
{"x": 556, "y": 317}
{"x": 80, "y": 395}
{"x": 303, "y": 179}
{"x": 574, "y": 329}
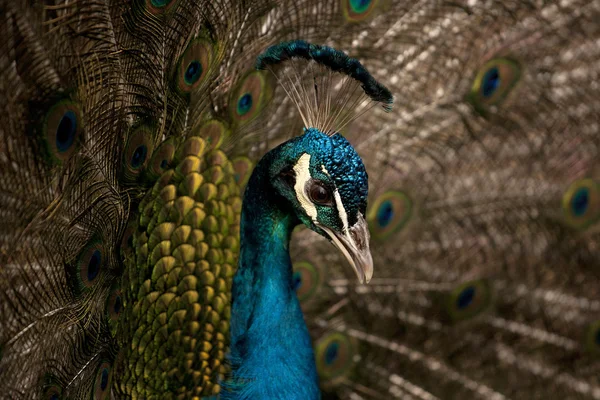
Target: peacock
{"x": 215, "y": 199}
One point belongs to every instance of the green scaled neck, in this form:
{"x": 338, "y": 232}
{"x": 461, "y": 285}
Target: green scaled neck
{"x": 271, "y": 351}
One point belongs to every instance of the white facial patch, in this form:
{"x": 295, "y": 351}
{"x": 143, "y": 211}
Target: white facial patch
{"x": 338, "y": 202}
{"x": 302, "y": 170}
{"x": 341, "y": 211}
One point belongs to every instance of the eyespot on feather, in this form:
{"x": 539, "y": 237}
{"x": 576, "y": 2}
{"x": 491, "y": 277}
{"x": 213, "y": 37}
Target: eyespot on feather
{"x": 592, "y": 339}
{"x": 52, "y": 392}
{"x": 213, "y": 132}
{"x": 306, "y": 280}
{"x": 389, "y": 214}
{"x": 251, "y": 95}
{"x": 114, "y": 308}
{"x": 194, "y": 65}
{"x": 358, "y": 10}
{"x": 114, "y": 304}
{"x": 137, "y": 154}
{"x": 334, "y": 353}
{"x": 158, "y": 7}
{"x": 493, "y": 83}
{"x": 102, "y": 384}
{"x": 62, "y": 130}
{"x": 90, "y": 264}
{"x": 581, "y": 204}
{"x": 468, "y": 300}
{"x": 243, "y": 169}
{"x": 162, "y": 158}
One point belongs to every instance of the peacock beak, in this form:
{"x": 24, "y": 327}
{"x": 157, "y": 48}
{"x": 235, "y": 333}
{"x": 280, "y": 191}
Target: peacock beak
{"x": 354, "y": 244}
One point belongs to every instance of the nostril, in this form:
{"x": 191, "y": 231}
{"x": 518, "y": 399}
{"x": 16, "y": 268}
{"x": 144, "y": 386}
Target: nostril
{"x": 359, "y": 233}
{"x": 357, "y": 238}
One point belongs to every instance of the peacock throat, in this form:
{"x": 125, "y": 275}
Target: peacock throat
{"x": 271, "y": 350}
{"x": 319, "y": 180}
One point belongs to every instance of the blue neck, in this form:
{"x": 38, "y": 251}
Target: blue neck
{"x": 271, "y": 351}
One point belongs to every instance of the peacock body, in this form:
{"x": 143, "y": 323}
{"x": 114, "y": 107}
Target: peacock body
{"x": 130, "y": 132}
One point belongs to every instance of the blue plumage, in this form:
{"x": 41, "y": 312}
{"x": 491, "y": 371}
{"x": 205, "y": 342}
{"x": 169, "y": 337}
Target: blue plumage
{"x": 271, "y": 351}
{"x": 465, "y": 297}
{"x": 580, "y": 201}
{"x": 193, "y": 72}
{"x": 491, "y": 81}
{"x": 66, "y": 131}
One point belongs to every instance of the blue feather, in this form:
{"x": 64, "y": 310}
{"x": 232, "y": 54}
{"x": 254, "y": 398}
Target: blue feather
{"x": 271, "y": 351}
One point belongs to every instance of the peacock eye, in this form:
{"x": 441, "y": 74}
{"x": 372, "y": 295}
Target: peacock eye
{"x": 319, "y": 194}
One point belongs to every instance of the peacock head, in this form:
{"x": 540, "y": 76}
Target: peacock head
{"x": 319, "y": 173}
{"x": 325, "y": 182}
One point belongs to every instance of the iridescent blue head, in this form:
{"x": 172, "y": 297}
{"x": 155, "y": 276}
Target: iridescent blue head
{"x": 320, "y": 173}
{"x": 325, "y": 181}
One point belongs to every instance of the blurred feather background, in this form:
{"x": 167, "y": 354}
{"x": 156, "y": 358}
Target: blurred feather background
{"x": 483, "y": 208}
